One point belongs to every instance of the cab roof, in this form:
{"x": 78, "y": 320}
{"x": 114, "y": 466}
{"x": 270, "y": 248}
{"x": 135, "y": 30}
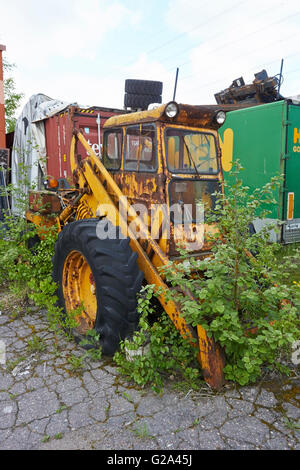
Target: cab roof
{"x": 203, "y": 116}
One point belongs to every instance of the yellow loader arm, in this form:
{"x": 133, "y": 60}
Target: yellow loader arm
{"x": 97, "y": 188}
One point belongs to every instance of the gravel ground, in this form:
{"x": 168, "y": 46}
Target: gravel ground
{"x": 44, "y": 404}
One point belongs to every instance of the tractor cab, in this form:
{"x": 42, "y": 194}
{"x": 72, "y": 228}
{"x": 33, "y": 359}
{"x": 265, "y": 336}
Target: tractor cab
{"x": 167, "y": 162}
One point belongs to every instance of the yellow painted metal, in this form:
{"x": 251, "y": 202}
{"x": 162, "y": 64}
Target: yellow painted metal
{"x": 227, "y": 149}
{"x": 151, "y": 274}
{"x": 93, "y": 163}
{"x": 100, "y": 195}
{"x": 290, "y": 208}
{"x": 134, "y": 118}
{"x": 43, "y": 223}
{"x": 198, "y": 116}
{"x": 79, "y": 289}
{"x": 212, "y": 359}
{"x": 92, "y": 174}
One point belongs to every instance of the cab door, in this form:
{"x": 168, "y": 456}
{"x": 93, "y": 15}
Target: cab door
{"x": 141, "y": 179}
{"x": 292, "y": 175}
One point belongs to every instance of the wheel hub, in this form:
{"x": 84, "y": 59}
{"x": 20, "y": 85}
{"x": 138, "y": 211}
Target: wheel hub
{"x": 79, "y": 289}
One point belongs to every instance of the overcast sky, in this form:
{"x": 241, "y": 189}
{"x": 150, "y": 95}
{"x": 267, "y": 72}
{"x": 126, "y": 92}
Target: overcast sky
{"x": 82, "y": 51}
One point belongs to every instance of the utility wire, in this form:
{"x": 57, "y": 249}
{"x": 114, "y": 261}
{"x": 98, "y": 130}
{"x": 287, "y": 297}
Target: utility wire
{"x": 185, "y": 77}
{"x": 197, "y": 27}
{"x": 243, "y": 37}
{"x": 247, "y": 71}
{"x": 261, "y": 14}
{"x": 149, "y": 52}
{"x": 219, "y": 47}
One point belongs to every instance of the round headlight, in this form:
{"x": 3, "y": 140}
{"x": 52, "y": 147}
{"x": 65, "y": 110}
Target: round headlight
{"x": 221, "y": 117}
{"x": 172, "y": 109}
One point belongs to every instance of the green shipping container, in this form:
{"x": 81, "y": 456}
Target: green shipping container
{"x": 266, "y": 140}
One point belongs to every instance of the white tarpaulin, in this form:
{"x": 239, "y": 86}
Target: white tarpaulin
{"x": 29, "y": 149}
{"x": 295, "y": 99}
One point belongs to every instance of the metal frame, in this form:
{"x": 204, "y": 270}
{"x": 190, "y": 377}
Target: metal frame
{"x": 92, "y": 176}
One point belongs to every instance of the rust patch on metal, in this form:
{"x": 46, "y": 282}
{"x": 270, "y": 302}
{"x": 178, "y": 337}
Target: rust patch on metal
{"x": 212, "y": 360}
{"x": 201, "y": 116}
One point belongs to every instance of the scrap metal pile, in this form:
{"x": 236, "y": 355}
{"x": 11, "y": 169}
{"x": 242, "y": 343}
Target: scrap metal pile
{"x": 264, "y": 89}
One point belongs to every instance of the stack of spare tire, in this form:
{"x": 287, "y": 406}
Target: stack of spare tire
{"x": 139, "y": 94}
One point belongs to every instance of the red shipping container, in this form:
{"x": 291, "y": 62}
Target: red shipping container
{"x": 59, "y": 132}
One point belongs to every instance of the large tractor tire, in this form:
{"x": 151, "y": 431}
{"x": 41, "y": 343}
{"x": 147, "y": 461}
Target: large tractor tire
{"x": 143, "y": 87}
{"x": 140, "y": 101}
{"x": 101, "y": 275}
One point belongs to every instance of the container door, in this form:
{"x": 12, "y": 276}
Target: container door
{"x": 256, "y": 137}
{"x": 291, "y": 233}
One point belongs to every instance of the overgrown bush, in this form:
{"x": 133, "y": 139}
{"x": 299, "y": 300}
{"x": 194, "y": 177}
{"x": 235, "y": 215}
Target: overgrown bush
{"x": 157, "y": 350}
{"x": 26, "y": 255}
{"x": 28, "y": 269}
{"x": 247, "y": 303}
{"x": 242, "y": 294}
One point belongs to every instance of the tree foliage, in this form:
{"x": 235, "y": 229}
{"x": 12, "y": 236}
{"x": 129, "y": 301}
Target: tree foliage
{"x": 12, "y": 98}
{"x": 243, "y": 294}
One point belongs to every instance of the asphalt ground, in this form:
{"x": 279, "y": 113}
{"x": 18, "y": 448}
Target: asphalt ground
{"x": 47, "y": 404}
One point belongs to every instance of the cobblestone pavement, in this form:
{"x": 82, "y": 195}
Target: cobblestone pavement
{"x": 44, "y": 404}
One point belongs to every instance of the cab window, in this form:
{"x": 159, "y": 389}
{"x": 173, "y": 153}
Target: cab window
{"x": 191, "y": 152}
{"x": 112, "y": 149}
{"x": 140, "y": 148}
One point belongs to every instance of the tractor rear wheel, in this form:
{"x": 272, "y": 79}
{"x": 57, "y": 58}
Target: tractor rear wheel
{"x": 102, "y": 276}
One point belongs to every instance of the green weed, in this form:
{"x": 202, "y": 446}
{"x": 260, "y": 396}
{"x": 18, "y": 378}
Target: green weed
{"x": 142, "y": 432}
{"x": 36, "y": 344}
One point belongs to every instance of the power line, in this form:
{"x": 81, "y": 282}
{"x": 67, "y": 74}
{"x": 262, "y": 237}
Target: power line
{"x": 292, "y": 71}
{"x": 183, "y": 34}
{"x": 247, "y": 35}
{"x": 253, "y": 51}
{"x": 196, "y": 27}
{"x": 260, "y": 14}
{"x": 120, "y": 68}
{"x": 247, "y": 71}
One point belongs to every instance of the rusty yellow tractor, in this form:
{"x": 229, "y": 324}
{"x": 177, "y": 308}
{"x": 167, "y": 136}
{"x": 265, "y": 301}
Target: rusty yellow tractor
{"x": 111, "y": 223}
